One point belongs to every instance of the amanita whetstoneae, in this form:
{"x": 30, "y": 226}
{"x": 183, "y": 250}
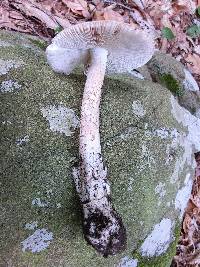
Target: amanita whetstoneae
{"x": 103, "y": 46}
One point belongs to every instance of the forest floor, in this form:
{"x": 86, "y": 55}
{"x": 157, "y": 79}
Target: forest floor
{"x": 177, "y": 27}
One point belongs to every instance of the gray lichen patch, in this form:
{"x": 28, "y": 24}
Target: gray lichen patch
{"x": 160, "y": 190}
{"x": 38, "y": 241}
{"x": 61, "y": 119}
{"x": 5, "y": 44}
{"x": 9, "y": 86}
{"x": 183, "y": 195}
{"x": 128, "y": 262}
{"x": 138, "y": 109}
{"x": 158, "y": 241}
{"x": 189, "y": 82}
{"x": 6, "y": 65}
{"x": 31, "y": 226}
{"x": 191, "y": 123}
{"x": 38, "y": 202}
{"x": 146, "y": 157}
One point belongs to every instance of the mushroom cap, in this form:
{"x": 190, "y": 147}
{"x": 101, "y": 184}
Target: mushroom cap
{"x": 128, "y": 48}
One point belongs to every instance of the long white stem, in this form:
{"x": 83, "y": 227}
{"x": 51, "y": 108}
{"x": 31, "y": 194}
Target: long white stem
{"x": 103, "y": 227}
{"x": 90, "y": 148}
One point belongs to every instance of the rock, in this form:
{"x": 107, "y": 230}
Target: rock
{"x": 167, "y": 71}
{"x": 148, "y": 142}
{"x": 189, "y": 82}
{"x": 162, "y": 64}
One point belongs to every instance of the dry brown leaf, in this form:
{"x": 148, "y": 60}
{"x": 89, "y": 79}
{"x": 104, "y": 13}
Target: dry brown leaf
{"x": 86, "y": 14}
{"x": 112, "y": 15}
{"x": 196, "y": 201}
{"x": 189, "y": 4}
{"x": 166, "y": 22}
{"x": 196, "y": 260}
{"x": 98, "y": 15}
{"x": 111, "y": 7}
{"x": 181, "y": 42}
{"x": 193, "y": 62}
{"x": 91, "y": 8}
{"x": 30, "y": 10}
{"x": 62, "y": 22}
{"x": 5, "y": 16}
{"x": 136, "y": 15}
{"x": 186, "y": 222}
{"x": 78, "y": 7}
{"x": 164, "y": 45}
{"x": 16, "y": 15}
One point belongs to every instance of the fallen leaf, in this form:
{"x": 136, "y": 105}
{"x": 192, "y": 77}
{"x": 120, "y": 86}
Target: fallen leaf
{"x": 186, "y": 222}
{"x": 166, "y": 22}
{"x": 167, "y": 33}
{"x": 63, "y": 22}
{"x": 91, "y": 8}
{"x": 193, "y": 62}
{"x": 196, "y": 259}
{"x": 98, "y": 15}
{"x": 136, "y": 15}
{"x": 110, "y": 7}
{"x": 189, "y": 4}
{"x": 16, "y": 15}
{"x": 196, "y": 201}
{"x": 164, "y": 45}
{"x": 78, "y": 6}
{"x": 30, "y": 10}
{"x": 112, "y": 15}
{"x": 193, "y": 31}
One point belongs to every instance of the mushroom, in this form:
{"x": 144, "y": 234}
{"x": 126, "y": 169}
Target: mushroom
{"x": 102, "y": 46}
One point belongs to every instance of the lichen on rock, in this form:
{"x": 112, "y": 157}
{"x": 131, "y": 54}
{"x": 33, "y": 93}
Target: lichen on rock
{"x": 158, "y": 241}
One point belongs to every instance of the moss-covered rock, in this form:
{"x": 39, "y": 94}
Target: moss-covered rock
{"x": 167, "y": 71}
{"x": 171, "y": 84}
{"x": 162, "y": 64}
{"x": 145, "y": 145}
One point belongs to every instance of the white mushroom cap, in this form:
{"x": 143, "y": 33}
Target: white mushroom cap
{"x": 127, "y": 48}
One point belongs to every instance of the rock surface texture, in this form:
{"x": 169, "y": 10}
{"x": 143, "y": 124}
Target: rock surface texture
{"x": 148, "y": 141}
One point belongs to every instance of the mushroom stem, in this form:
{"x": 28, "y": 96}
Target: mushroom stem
{"x": 102, "y": 225}
{"x": 90, "y": 147}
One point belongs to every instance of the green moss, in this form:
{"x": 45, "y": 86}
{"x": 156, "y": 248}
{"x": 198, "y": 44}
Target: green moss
{"x": 39, "y": 43}
{"x": 36, "y": 260}
{"x": 171, "y": 84}
{"x": 162, "y": 260}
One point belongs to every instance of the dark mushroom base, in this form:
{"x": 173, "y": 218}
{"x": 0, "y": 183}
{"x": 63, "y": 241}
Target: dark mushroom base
{"x": 103, "y": 229}
{"x": 102, "y": 226}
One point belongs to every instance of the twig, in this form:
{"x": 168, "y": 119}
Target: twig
{"x": 118, "y": 4}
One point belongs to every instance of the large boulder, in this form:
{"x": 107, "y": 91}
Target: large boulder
{"x": 148, "y": 142}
